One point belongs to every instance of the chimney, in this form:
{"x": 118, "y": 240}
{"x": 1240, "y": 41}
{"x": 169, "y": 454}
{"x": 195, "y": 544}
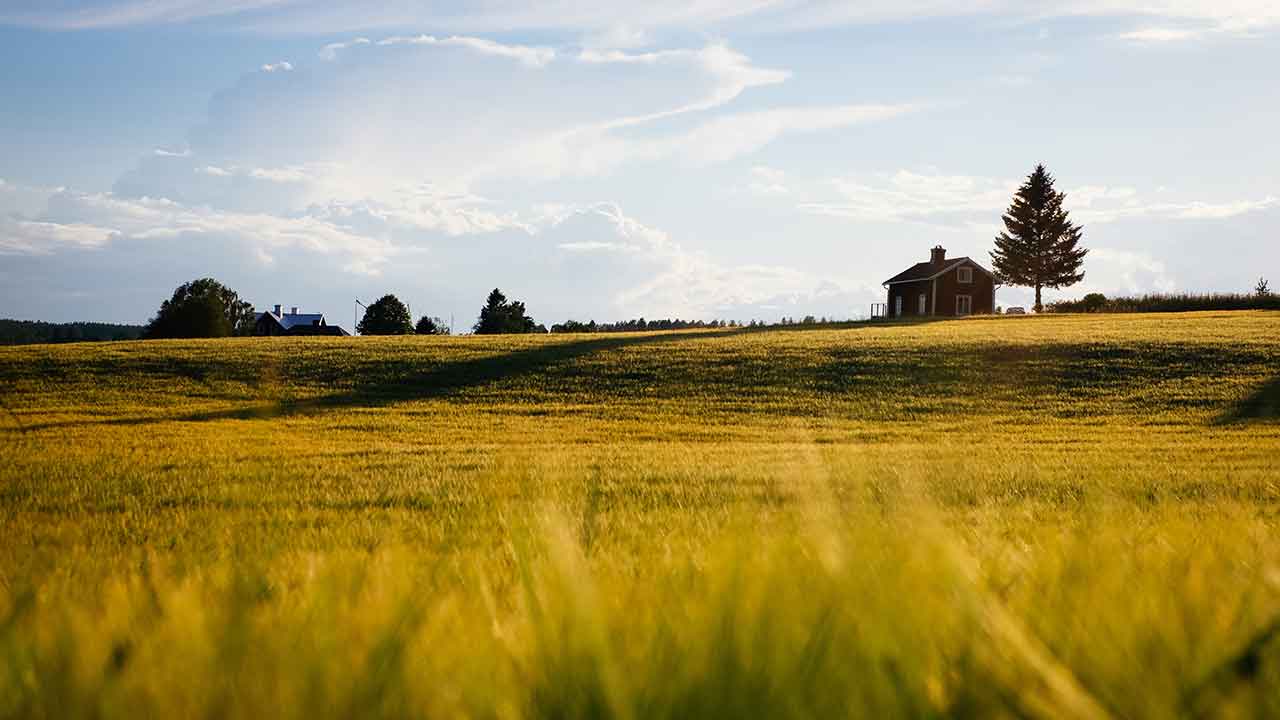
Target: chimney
{"x": 294, "y": 311}
{"x": 277, "y": 311}
{"x": 938, "y": 255}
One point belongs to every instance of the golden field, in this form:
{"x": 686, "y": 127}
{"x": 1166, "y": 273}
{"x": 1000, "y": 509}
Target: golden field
{"x": 1057, "y": 516}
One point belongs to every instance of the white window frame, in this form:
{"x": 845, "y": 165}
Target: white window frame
{"x": 964, "y": 276}
{"x": 968, "y": 302}
{"x": 923, "y": 304}
{"x": 897, "y": 306}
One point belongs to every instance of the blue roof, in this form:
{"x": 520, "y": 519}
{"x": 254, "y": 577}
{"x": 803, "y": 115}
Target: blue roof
{"x": 289, "y": 320}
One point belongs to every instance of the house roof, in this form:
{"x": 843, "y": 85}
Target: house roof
{"x": 289, "y": 320}
{"x": 929, "y": 271}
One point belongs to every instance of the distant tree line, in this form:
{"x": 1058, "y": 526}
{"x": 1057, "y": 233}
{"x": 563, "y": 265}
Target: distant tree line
{"x": 206, "y": 308}
{"x": 639, "y": 325}
{"x": 1180, "y": 302}
{"x": 23, "y": 332}
{"x": 498, "y": 316}
{"x": 642, "y": 325}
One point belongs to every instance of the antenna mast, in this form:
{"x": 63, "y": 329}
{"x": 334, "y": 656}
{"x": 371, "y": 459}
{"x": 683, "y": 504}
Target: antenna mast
{"x": 354, "y": 312}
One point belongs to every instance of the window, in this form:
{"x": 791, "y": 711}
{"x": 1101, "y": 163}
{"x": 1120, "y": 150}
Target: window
{"x": 923, "y": 305}
{"x": 965, "y": 275}
{"x": 964, "y": 304}
{"x": 897, "y": 306}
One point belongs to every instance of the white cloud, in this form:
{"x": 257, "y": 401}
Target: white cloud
{"x": 767, "y": 181}
{"x": 162, "y": 152}
{"x": 1112, "y": 271}
{"x": 19, "y": 201}
{"x": 330, "y": 51}
{"x": 358, "y": 114}
{"x": 915, "y": 196}
{"x": 214, "y": 171}
{"x": 605, "y": 18}
{"x": 734, "y": 135}
{"x": 654, "y": 276}
{"x": 616, "y": 36}
{"x": 97, "y": 219}
{"x": 281, "y": 175}
{"x": 1161, "y": 35}
{"x": 1188, "y": 210}
{"x": 593, "y": 259}
{"x": 283, "y": 66}
{"x": 25, "y": 237}
{"x": 1013, "y": 81}
{"x": 525, "y": 54}
{"x": 1238, "y": 17}
{"x": 1088, "y": 196}
{"x": 596, "y": 150}
{"x": 733, "y": 74}
{"x": 971, "y": 202}
{"x": 124, "y": 13}
{"x": 1217, "y": 211}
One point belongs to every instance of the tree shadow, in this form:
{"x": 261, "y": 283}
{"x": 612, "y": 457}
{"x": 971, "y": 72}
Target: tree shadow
{"x": 401, "y": 381}
{"x": 1262, "y": 405}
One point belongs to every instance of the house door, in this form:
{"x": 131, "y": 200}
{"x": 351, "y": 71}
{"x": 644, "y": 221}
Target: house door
{"x": 923, "y": 305}
{"x": 964, "y": 304}
{"x": 897, "y": 306}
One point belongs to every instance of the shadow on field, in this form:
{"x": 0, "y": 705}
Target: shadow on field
{"x": 1261, "y": 405}
{"x": 402, "y": 381}
{"x": 886, "y": 380}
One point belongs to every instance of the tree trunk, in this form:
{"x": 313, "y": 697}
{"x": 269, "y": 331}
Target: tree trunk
{"x": 1039, "y": 307}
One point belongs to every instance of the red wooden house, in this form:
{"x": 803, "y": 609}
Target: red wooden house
{"x": 942, "y": 288}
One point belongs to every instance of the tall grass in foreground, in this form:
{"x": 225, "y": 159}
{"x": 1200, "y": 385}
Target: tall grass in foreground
{"x": 871, "y": 616}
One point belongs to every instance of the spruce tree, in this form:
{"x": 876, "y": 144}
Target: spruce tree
{"x": 499, "y": 317}
{"x": 1039, "y": 247}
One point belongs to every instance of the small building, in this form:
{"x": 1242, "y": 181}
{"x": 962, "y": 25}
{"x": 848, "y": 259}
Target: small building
{"x": 275, "y": 322}
{"x": 941, "y": 288}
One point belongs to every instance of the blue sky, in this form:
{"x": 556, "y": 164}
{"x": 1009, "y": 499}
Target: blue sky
{"x": 608, "y": 160}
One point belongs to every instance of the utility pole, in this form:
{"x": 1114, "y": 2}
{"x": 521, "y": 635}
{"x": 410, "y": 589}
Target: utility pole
{"x": 354, "y": 312}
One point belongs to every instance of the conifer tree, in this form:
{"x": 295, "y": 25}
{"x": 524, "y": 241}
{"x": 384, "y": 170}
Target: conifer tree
{"x": 499, "y": 317}
{"x": 1040, "y": 246}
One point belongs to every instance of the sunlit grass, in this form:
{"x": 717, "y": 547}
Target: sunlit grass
{"x": 1065, "y": 516}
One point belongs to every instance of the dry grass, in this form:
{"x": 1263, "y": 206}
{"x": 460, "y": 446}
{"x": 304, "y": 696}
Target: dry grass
{"x": 1050, "y": 516}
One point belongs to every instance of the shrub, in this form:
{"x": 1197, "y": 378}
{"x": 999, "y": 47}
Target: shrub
{"x": 428, "y": 325}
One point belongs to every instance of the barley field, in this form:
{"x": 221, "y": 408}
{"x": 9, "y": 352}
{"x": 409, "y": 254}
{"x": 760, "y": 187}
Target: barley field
{"x": 1055, "y": 516}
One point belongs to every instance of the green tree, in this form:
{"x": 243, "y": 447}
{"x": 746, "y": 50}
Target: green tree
{"x": 1040, "y": 246}
{"x": 499, "y": 317}
{"x": 428, "y": 325}
{"x": 1093, "y": 302}
{"x": 202, "y": 308}
{"x": 386, "y": 316}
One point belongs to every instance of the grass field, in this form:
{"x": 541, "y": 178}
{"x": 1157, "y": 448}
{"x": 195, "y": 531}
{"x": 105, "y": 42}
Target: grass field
{"x": 1061, "y": 516}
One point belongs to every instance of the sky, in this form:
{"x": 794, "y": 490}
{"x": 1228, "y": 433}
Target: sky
{"x": 607, "y": 159}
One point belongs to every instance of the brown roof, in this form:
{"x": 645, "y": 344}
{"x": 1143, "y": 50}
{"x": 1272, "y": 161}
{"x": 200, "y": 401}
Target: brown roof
{"x": 928, "y": 270}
